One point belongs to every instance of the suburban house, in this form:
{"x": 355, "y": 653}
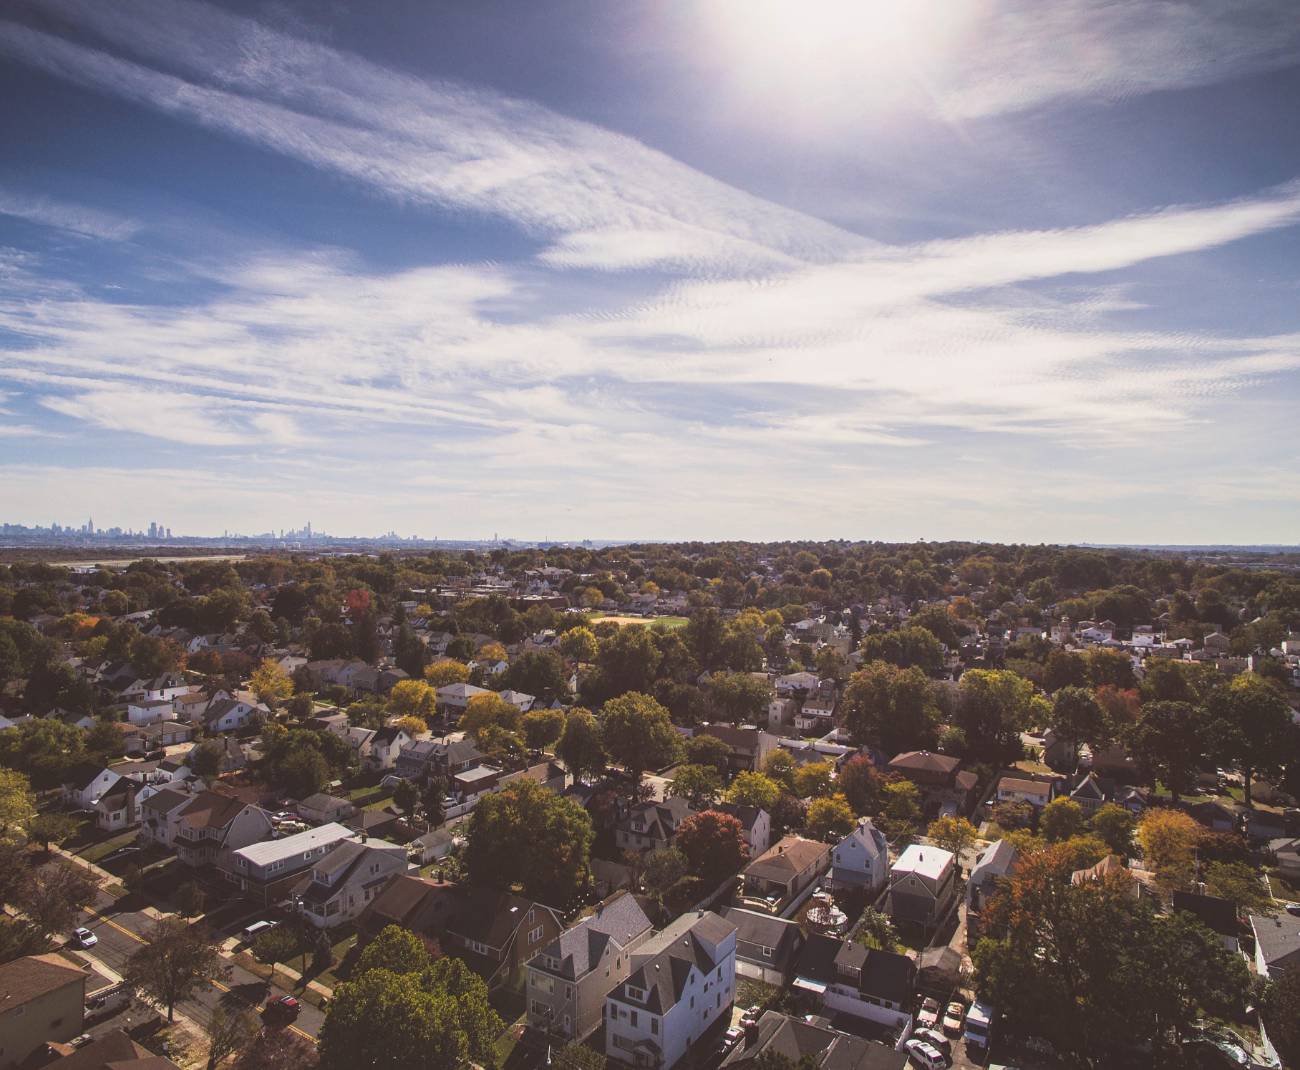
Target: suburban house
{"x": 1037, "y": 793}
{"x": 149, "y": 710}
{"x": 160, "y": 816}
{"x": 749, "y": 745}
{"x": 1091, "y": 793}
{"x": 346, "y": 880}
{"x": 452, "y": 758}
{"x": 1277, "y": 943}
{"x": 861, "y": 859}
{"x": 416, "y": 903}
{"x": 817, "y": 714}
{"x": 923, "y": 886}
{"x": 385, "y": 746}
{"x": 649, "y": 826}
{"x": 496, "y": 933}
{"x": 570, "y": 977}
{"x": 777, "y": 879}
{"x": 766, "y": 947}
{"x": 232, "y": 713}
{"x": 453, "y": 698}
{"x": 682, "y": 982}
{"x": 116, "y": 809}
{"x": 213, "y": 824}
{"x": 754, "y": 821}
{"x": 945, "y": 787}
{"x": 1110, "y": 868}
{"x": 42, "y": 999}
{"x": 415, "y": 761}
{"x": 85, "y": 783}
{"x": 322, "y": 808}
{"x": 358, "y": 739}
{"x": 522, "y": 702}
{"x": 266, "y": 872}
{"x": 992, "y": 864}
{"x": 1286, "y": 853}
{"x": 1217, "y": 915}
{"x": 795, "y": 1039}
{"x": 872, "y": 984}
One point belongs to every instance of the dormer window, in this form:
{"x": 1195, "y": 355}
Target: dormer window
{"x": 637, "y": 994}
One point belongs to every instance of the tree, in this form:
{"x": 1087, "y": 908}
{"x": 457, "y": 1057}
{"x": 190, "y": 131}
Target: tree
{"x": 579, "y": 644}
{"x": 700, "y": 785}
{"x": 994, "y": 706}
{"x": 17, "y": 804}
{"x": 627, "y": 661}
{"x": 528, "y": 835}
{"x": 1240, "y": 884}
{"x": 395, "y": 949}
{"x": 829, "y": 818}
{"x": 271, "y": 684}
{"x": 489, "y": 710}
{"x": 431, "y": 801}
{"x": 1169, "y": 839}
{"x": 575, "y": 1056}
{"x": 704, "y": 749}
{"x": 53, "y": 895}
{"x": 954, "y": 834}
{"x": 901, "y": 809}
{"x": 276, "y": 945}
{"x": 1108, "y": 667}
{"x": 814, "y": 779}
{"x": 1253, "y": 724}
{"x": 540, "y": 673}
{"x": 664, "y": 867}
{"x": 739, "y": 696}
{"x": 580, "y": 747}
{"x": 638, "y": 733}
{"x": 43, "y": 748}
{"x": 205, "y": 758}
{"x": 714, "y": 845}
{"x": 230, "y": 1031}
{"x": 861, "y": 784}
{"x": 543, "y": 728}
{"x": 412, "y": 726}
{"x": 1009, "y": 816}
{"x": 877, "y": 931}
{"x": 406, "y": 797}
{"x": 177, "y": 959}
{"x": 907, "y": 648}
{"x": 1061, "y": 819}
{"x": 153, "y": 655}
{"x": 52, "y": 827}
{"x": 890, "y": 707}
{"x": 754, "y": 789}
{"x": 1064, "y": 668}
{"x": 1170, "y": 742}
{"x": 413, "y": 698}
{"x": 780, "y": 766}
{"x": 446, "y": 671}
{"x": 189, "y": 899}
{"x": 1115, "y": 826}
{"x": 1077, "y": 718}
{"x": 1281, "y": 1014}
{"x": 436, "y": 1019}
{"x": 279, "y": 1049}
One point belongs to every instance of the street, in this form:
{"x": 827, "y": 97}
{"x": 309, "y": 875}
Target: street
{"x": 122, "y": 933}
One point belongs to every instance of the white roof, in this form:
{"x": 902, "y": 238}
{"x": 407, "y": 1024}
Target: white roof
{"x": 262, "y": 854}
{"x": 929, "y": 862}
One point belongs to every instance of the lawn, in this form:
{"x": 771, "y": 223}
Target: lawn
{"x": 618, "y": 618}
{"x": 104, "y": 848}
{"x": 751, "y": 992}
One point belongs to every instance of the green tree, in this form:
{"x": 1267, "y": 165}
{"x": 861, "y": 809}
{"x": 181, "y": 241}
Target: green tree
{"x": 1239, "y": 883}
{"x": 1061, "y": 819}
{"x": 1077, "y": 717}
{"x": 53, "y": 895}
{"x": 271, "y": 684}
{"x": 638, "y": 734}
{"x": 1170, "y": 741}
{"x": 739, "y": 696}
{"x": 1252, "y": 722}
{"x": 406, "y": 797}
{"x": 1281, "y": 1013}
{"x": 890, "y": 707}
{"x": 994, "y": 706}
{"x": 1115, "y": 826}
{"x": 276, "y": 945}
{"x": 52, "y": 828}
{"x": 579, "y": 644}
{"x": 754, "y": 789}
{"x": 814, "y": 779}
{"x": 780, "y": 766}
{"x": 395, "y": 949}
{"x": 189, "y": 899}
{"x": 954, "y": 834}
{"x": 703, "y": 749}
{"x": 830, "y": 819}
{"x": 580, "y": 747}
{"x": 438, "y": 1019}
{"x": 901, "y": 809}
{"x": 230, "y": 1031}
{"x": 543, "y": 728}
{"x": 877, "y": 931}
{"x": 907, "y": 648}
{"x": 861, "y": 784}
{"x": 540, "y": 673}
{"x": 177, "y": 959}
{"x": 714, "y": 845}
{"x": 700, "y": 785}
{"x": 664, "y": 867}
{"x": 528, "y": 835}
{"x": 17, "y": 805}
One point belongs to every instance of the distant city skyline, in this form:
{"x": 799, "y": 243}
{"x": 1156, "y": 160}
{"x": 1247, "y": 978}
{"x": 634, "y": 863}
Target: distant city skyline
{"x": 939, "y": 269}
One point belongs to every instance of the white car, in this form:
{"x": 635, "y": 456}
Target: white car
{"x": 925, "y": 1055}
{"x": 84, "y": 938}
{"x": 929, "y": 1014}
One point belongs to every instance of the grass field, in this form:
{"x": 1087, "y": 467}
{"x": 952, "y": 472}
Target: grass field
{"x": 669, "y": 622}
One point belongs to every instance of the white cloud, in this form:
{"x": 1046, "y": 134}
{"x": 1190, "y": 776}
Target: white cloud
{"x": 74, "y": 218}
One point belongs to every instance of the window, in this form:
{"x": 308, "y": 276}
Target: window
{"x": 634, "y": 1017}
{"x": 654, "y": 1026}
{"x": 767, "y": 952}
{"x": 535, "y": 934}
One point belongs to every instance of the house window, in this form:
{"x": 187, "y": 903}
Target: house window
{"x": 634, "y": 1017}
{"x": 535, "y": 934}
{"x": 767, "y": 952}
{"x": 654, "y": 1026}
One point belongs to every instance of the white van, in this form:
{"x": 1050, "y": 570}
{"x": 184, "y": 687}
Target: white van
{"x": 979, "y": 1025}
{"x": 257, "y": 929}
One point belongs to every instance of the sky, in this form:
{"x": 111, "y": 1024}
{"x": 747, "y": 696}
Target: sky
{"x": 563, "y": 269}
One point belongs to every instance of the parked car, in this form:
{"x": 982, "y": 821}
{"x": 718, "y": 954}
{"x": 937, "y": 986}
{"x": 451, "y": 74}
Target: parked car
{"x": 80, "y": 1041}
{"x": 924, "y": 1055}
{"x": 729, "y": 1040}
{"x": 106, "y": 1003}
{"x": 751, "y": 1015}
{"x": 928, "y": 1015}
{"x": 954, "y": 1016}
{"x": 84, "y": 938}
{"x": 284, "y": 1009}
{"x": 935, "y": 1039}
{"x": 252, "y": 932}
{"x": 391, "y": 781}
{"x": 1293, "y": 908}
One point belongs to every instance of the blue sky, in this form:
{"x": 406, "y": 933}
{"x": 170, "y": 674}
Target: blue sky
{"x": 725, "y": 269}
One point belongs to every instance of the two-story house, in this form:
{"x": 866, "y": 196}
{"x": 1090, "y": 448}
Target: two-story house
{"x": 85, "y": 782}
{"x": 1037, "y": 793}
{"x": 923, "y": 886}
{"x": 213, "y": 824}
{"x": 750, "y": 746}
{"x": 861, "y": 859}
{"x": 945, "y": 786}
{"x": 876, "y": 985}
{"x": 231, "y": 713}
{"x": 650, "y": 826}
{"x": 780, "y": 877}
{"x": 453, "y": 698}
{"x": 415, "y": 760}
{"x": 160, "y": 817}
{"x": 755, "y": 822}
{"x": 267, "y": 872}
{"x": 570, "y": 977}
{"x": 385, "y": 746}
{"x": 682, "y": 982}
{"x": 42, "y": 999}
{"x": 766, "y": 947}
{"x": 345, "y": 881}
{"x": 496, "y": 933}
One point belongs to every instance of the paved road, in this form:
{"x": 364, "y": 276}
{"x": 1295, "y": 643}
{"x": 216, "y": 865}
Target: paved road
{"x": 122, "y": 932}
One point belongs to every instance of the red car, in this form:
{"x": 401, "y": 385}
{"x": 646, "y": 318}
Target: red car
{"x": 284, "y": 1009}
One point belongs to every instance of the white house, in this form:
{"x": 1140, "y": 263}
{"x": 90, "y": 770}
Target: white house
{"x": 861, "y": 859}
{"x": 86, "y": 783}
{"x": 683, "y": 980}
{"x": 523, "y": 702}
{"x": 229, "y": 713}
{"x": 385, "y": 745}
{"x": 344, "y": 882}
{"x": 453, "y": 698}
{"x": 149, "y": 710}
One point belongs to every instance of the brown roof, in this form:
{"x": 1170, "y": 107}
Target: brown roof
{"x": 404, "y": 897}
{"x": 114, "y": 1051}
{"x": 792, "y": 855}
{"x": 210, "y": 810}
{"x": 29, "y": 978}
{"x": 926, "y": 761}
{"x": 491, "y": 917}
{"x": 1028, "y": 787}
